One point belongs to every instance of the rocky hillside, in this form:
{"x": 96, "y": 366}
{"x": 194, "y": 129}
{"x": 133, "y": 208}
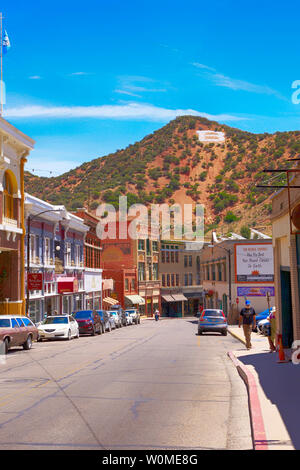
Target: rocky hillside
{"x": 172, "y": 165}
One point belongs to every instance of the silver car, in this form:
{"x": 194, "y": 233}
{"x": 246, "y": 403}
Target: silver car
{"x": 213, "y": 320}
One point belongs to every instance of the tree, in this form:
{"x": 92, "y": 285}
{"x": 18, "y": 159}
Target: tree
{"x": 245, "y": 232}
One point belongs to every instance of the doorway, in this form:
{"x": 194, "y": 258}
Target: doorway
{"x": 286, "y": 309}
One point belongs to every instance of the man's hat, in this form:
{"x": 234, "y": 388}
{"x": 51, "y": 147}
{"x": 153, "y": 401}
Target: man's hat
{"x": 247, "y": 302}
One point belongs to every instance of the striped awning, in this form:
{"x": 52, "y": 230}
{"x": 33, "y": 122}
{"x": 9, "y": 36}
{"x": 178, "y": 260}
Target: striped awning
{"x": 110, "y": 301}
{"x": 179, "y": 297}
{"x": 168, "y": 298}
{"x": 135, "y": 299}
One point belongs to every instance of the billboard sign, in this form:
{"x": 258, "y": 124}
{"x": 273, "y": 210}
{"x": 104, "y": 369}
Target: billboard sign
{"x": 254, "y": 262}
{"x": 92, "y": 282}
{"x": 255, "y": 291}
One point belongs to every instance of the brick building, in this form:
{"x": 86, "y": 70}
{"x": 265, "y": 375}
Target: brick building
{"x": 133, "y": 264}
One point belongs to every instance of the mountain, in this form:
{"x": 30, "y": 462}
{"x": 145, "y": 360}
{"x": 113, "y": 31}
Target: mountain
{"x": 172, "y": 165}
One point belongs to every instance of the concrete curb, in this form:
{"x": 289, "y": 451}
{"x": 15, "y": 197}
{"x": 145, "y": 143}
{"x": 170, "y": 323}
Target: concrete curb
{"x": 236, "y": 336}
{"x": 257, "y": 423}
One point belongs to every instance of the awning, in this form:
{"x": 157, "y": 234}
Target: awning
{"x": 179, "y": 297}
{"x": 110, "y": 301}
{"x": 135, "y": 299}
{"x": 168, "y": 298}
{"x": 67, "y": 285}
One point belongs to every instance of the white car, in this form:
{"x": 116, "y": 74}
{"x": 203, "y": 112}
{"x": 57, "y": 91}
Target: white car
{"x": 58, "y": 327}
{"x": 129, "y": 319}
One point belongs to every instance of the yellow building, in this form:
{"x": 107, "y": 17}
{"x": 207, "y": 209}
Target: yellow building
{"x": 14, "y": 148}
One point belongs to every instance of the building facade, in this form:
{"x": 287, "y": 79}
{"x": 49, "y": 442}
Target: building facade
{"x": 56, "y": 253}
{"x": 233, "y": 271}
{"x": 15, "y": 147}
{"x": 92, "y": 261}
{"x": 133, "y": 264}
{"x": 286, "y": 243}
{"x": 179, "y": 272}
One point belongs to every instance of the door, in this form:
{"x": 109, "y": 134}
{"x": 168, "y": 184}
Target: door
{"x": 286, "y": 309}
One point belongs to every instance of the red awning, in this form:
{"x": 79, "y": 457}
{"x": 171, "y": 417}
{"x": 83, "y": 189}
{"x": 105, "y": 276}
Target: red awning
{"x": 67, "y": 285}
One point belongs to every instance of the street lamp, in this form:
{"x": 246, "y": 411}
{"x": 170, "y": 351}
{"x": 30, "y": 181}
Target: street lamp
{"x": 228, "y": 251}
{"x": 29, "y": 220}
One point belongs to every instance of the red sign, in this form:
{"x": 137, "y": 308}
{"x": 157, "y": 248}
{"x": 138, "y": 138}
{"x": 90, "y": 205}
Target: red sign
{"x": 237, "y": 300}
{"x": 67, "y": 285}
{"x": 35, "y": 281}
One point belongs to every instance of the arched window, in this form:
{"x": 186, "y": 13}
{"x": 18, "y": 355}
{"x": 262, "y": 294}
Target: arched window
{"x": 8, "y": 199}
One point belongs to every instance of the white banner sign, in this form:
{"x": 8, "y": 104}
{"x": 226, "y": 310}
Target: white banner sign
{"x": 92, "y": 282}
{"x": 211, "y": 136}
{"x": 254, "y": 263}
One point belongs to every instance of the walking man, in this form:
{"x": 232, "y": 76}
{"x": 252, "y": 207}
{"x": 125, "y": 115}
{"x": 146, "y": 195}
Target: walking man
{"x": 247, "y": 318}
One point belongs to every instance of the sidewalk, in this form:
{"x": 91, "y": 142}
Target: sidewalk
{"x": 274, "y": 393}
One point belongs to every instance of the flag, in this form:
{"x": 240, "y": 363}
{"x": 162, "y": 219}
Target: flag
{"x": 5, "y": 42}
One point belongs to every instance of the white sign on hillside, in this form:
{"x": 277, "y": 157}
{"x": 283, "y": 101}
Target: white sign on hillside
{"x": 211, "y": 136}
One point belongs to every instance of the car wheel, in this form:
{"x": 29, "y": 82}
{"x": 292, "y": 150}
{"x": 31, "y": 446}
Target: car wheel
{"x": 99, "y": 332}
{"x": 200, "y": 332}
{"x": 224, "y": 333}
{"x": 28, "y": 343}
{"x": 69, "y": 335}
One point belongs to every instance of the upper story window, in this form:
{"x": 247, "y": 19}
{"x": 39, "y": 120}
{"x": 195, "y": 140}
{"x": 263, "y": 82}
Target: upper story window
{"x": 77, "y": 255}
{"x": 141, "y": 245}
{"x": 8, "y": 197}
{"x": 47, "y": 251}
{"x": 68, "y": 253}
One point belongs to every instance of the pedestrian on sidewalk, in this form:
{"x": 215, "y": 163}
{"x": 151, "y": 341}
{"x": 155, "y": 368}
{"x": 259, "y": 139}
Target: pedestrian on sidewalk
{"x": 156, "y": 315}
{"x": 247, "y": 318}
{"x": 272, "y": 329}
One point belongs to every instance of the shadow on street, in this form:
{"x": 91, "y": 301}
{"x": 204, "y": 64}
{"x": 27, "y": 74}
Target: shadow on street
{"x": 281, "y": 385}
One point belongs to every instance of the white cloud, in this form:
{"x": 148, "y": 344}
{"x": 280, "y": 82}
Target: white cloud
{"x": 79, "y": 73}
{"x": 203, "y": 66}
{"x": 129, "y": 93}
{"x": 236, "y": 84}
{"x": 35, "y": 77}
{"x": 128, "y": 111}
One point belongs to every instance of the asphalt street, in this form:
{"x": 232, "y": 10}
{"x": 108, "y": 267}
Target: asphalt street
{"x": 151, "y": 386}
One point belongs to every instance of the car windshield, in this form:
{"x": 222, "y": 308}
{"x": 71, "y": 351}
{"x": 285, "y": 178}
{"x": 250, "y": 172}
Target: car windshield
{"x": 130, "y": 311}
{"x": 5, "y": 323}
{"x": 51, "y": 320}
{"x": 83, "y": 314}
{"x": 212, "y": 313}
{"x": 113, "y": 312}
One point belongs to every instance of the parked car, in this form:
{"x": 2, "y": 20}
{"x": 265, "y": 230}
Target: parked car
{"x": 129, "y": 319}
{"x": 263, "y": 326}
{"x": 89, "y": 322}
{"x": 17, "y": 331}
{"x": 105, "y": 320}
{"x": 212, "y": 320}
{"x": 58, "y": 327}
{"x": 261, "y": 316}
{"x": 134, "y": 313}
{"x": 117, "y": 317}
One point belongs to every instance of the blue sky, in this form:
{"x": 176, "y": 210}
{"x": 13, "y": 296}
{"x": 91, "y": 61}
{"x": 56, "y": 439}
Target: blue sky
{"x": 87, "y": 78}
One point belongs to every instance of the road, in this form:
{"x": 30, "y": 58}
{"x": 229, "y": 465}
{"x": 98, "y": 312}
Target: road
{"x": 152, "y": 386}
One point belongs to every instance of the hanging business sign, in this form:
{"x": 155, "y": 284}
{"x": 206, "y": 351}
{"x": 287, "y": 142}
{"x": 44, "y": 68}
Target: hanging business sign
{"x": 255, "y": 291}
{"x": 254, "y": 262}
{"x": 35, "y": 281}
{"x": 92, "y": 282}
